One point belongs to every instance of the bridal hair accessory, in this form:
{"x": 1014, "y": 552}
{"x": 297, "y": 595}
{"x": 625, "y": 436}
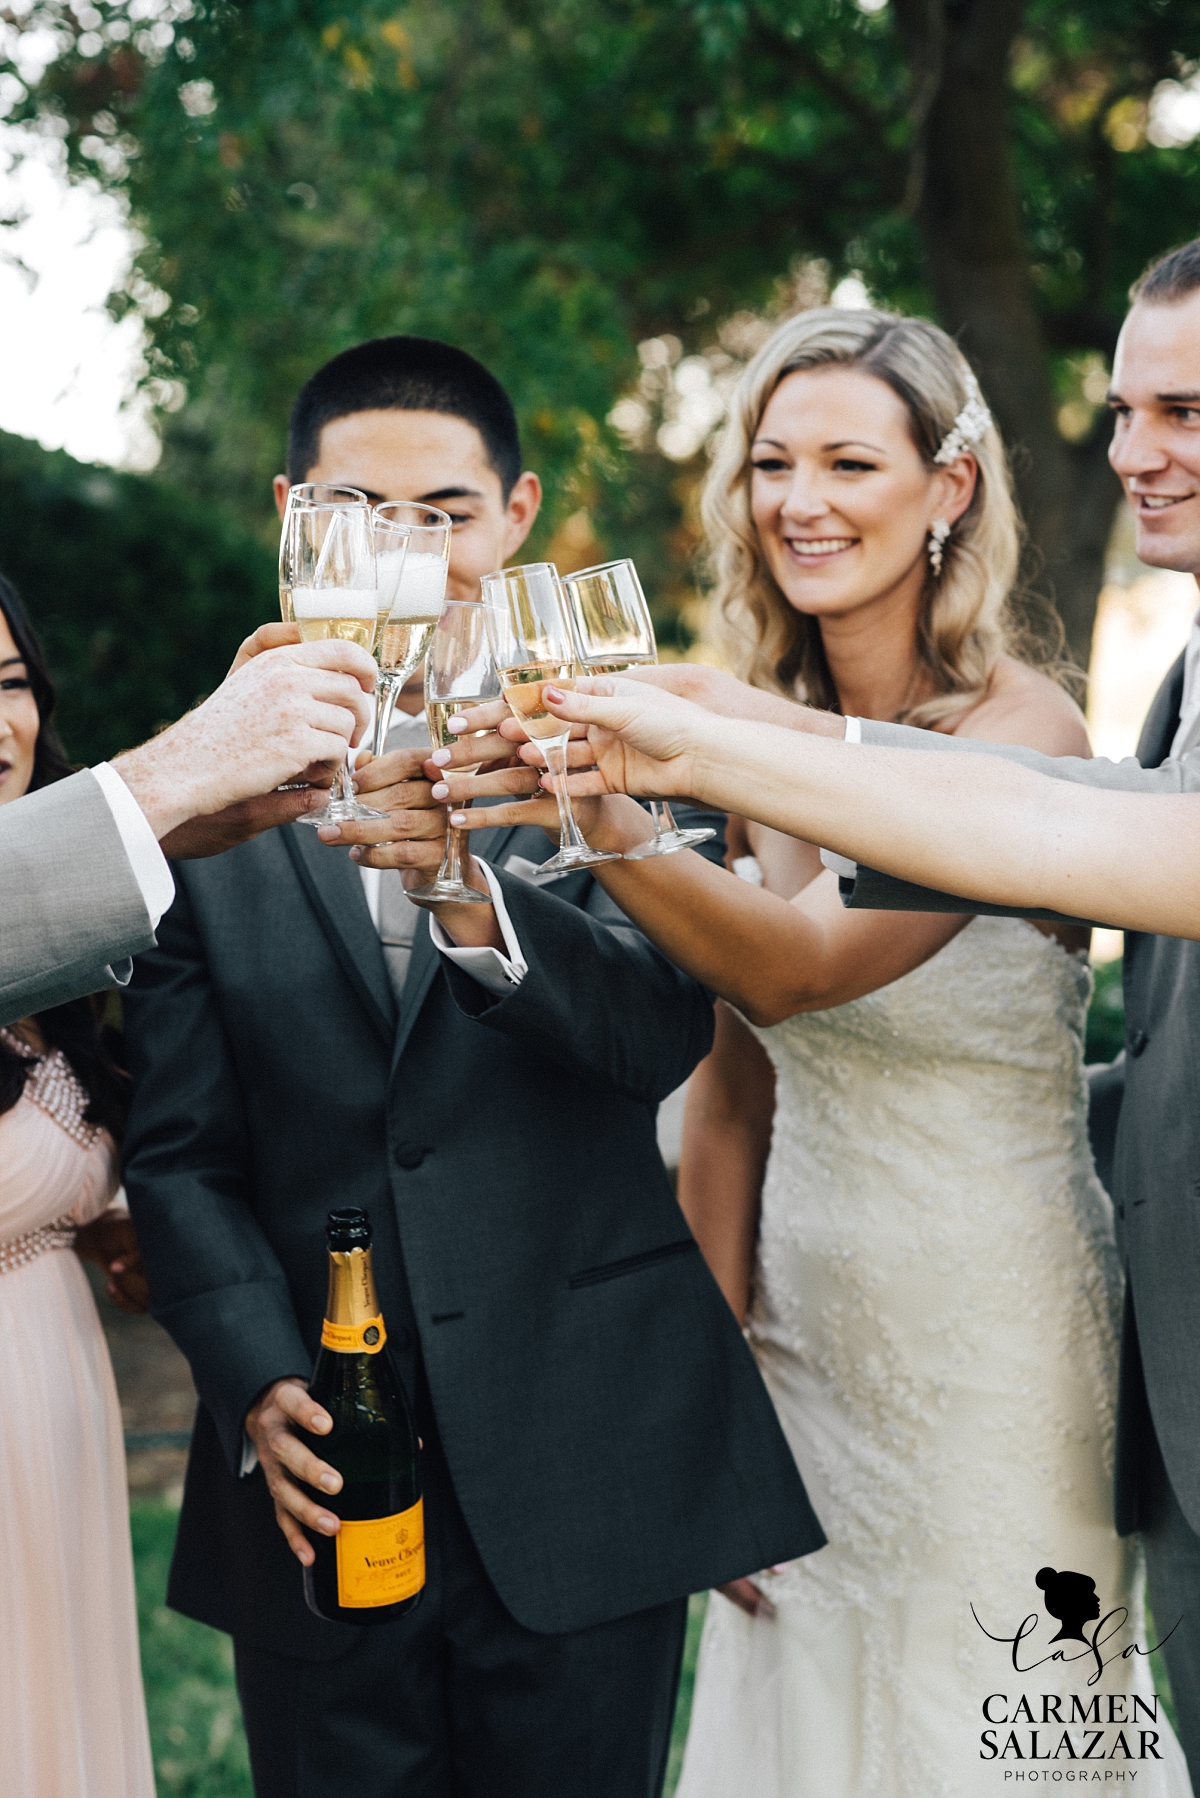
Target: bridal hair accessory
{"x": 968, "y": 427}
{"x": 939, "y": 530}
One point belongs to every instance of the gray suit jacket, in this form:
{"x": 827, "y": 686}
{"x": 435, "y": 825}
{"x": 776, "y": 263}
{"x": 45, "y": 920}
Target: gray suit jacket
{"x": 1148, "y": 1111}
{"x": 72, "y": 911}
{"x": 609, "y": 1437}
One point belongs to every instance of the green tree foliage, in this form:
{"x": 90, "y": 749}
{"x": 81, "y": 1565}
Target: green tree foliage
{"x": 140, "y": 591}
{"x": 551, "y": 181}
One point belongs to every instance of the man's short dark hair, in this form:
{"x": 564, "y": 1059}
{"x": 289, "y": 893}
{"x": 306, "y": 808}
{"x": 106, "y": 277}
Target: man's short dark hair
{"x": 405, "y": 374}
{"x": 1173, "y": 277}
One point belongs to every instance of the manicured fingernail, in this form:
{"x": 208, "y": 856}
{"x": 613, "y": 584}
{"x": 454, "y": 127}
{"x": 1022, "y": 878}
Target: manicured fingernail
{"x": 328, "y": 1524}
{"x": 358, "y": 853}
{"x": 330, "y": 1482}
{"x": 441, "y": 757}
{"x": 329, "y": 833}
{"x": 320, "y": 1422}
{"x": 554, "y": 694}
{"x": 458, "y": 819}
{"x": 440, "y": 791}
{"x": 457, "y": 724}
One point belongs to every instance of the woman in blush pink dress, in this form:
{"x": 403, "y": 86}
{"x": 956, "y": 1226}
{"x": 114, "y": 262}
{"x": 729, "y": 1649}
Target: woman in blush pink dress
{"x": 72, "y": 1716}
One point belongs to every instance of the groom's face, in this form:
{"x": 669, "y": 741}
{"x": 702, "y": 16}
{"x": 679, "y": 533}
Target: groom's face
{"x": 440, "y": 460}
{"x": 1155, "y": 395}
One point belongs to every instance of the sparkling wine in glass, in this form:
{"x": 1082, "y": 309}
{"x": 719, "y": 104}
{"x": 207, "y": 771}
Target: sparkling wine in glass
{"x": 612, "y": 622}
{"x": 334, "y": 594}
{"x": 412, "y": 545}
{"x": 533, "y": 645}
{"x": 459, "y": 673}
{"x": 307, "y": 493}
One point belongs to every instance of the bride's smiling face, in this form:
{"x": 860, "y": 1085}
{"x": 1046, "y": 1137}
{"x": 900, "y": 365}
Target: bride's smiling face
{"x": 840, "y": 495}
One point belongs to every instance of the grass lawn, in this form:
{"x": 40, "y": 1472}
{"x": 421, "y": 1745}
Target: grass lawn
{"x": 195, "y": 1723}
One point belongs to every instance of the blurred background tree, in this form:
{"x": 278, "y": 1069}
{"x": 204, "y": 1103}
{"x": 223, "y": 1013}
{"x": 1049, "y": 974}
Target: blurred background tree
{"x": 140, "y": 590}
{"x": 609, "y": 202}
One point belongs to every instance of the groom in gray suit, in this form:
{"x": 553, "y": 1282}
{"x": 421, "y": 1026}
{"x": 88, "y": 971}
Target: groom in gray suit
{"x": 1145, "y": 1106}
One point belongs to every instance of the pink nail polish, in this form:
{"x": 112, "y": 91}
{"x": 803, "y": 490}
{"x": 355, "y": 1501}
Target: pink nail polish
{"x": 441, "y": 791}
{"x": 554, "y": 694}
{"x": 441, "y": 757}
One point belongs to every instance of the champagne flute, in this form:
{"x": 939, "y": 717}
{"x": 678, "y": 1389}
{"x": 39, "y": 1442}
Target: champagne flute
{"x": 307, "y": 493}
{"x": 334, "y": 594}
{"x": 615, "y": 632}
{"x": 459, "y": 673}
{"x": 412, "y": 543}
{"x": 533, "y": 645}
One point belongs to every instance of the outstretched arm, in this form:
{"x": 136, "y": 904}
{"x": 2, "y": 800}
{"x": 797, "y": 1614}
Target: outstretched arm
{"x": 971, "y": 824}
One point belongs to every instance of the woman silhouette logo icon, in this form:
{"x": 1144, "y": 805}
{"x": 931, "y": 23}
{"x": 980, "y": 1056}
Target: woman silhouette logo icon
{"x": 1072, "y": 1599}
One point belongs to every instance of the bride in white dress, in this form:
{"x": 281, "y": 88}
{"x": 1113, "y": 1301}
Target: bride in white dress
{"x": 888, "y": 1168}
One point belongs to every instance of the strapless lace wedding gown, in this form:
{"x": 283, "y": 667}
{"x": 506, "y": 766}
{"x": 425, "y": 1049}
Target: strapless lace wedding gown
{"x": 936, "y": 1316}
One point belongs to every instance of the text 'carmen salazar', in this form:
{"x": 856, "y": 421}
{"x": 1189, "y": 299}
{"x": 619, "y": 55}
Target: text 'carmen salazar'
{"x": 1102, "y": 1727}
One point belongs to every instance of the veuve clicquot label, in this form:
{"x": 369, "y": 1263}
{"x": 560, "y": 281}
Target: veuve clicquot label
{"x": 352, "y": 1339}
{"x": 374, "y": 1568}
{"x": 382, "y": 1561}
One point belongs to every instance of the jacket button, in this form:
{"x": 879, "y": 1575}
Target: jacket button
{"x": 1121, "y": 1212}
{"x": 409, "y": 1154}
{"x": 1138, "y": 1042}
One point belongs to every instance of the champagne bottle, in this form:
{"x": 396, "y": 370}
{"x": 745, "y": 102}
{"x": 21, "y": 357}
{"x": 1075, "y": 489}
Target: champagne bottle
{"x": 374, "y": 1568}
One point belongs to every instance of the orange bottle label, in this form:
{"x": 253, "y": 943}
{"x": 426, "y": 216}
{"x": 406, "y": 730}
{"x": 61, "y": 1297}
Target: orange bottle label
{"x": 381, "y": 1561}
{"x": 366, "y": 1338}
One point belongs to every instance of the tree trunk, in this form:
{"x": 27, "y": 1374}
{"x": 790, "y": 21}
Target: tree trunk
{"x": 969, "y": 217}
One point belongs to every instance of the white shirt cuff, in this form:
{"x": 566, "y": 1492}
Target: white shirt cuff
{"x": 147, "y": 860}
{"x": 249, "y": 1457}
{"x": 841, "y": 865}
{"x": 498, "y": 973}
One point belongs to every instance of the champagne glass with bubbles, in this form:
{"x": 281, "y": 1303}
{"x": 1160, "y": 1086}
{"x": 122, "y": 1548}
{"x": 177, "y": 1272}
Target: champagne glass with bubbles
{"x": 412, "y": 544}
{"x": 533, "y": 644}
{"x": 612, "y": 621}
{"x": 459, "y": 673}
{"x": 307, "y": 493}
{"x": 334, "y": 593}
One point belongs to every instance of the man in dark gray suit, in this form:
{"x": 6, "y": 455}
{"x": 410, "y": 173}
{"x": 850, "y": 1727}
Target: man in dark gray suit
{"x": 597, "y": 1440}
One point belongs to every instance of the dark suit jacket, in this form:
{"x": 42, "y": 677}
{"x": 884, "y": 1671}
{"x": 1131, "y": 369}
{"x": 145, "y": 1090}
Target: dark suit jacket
{"x": 609, "y": 1437}
{"x": 1144, "y": 1113}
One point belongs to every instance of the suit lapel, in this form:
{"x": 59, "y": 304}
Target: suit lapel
{"x": 490, "y": 844}
{"x": 334, "y": 888}
{"x": 1162, "y": 720}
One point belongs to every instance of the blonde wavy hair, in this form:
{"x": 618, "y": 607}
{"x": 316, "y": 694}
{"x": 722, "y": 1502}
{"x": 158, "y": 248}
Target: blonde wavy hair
{"x": 966, "y": 619}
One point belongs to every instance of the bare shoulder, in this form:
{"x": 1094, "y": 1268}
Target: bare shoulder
{"x": 1026, "y": 707}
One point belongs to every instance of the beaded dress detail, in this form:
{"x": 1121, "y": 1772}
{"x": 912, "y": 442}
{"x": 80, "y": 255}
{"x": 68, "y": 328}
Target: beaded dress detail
{"x": 936, "y": 1315}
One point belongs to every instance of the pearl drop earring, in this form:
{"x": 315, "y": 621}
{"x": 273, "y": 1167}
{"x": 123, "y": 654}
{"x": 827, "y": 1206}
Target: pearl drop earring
{"x": 939, "y": 530}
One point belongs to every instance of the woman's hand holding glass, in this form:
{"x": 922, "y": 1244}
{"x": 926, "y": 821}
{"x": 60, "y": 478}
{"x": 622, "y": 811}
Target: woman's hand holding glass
{"x": 534, "y": 644}
{"x": 616, "y": 633}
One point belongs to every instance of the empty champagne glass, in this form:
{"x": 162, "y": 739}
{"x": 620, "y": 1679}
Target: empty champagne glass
{"x": 459, "y": 673}
{"x": 615, "y": 632}
{"x": 334, "y": 594}
{"x": 412, "y": 545}
{"x": 533, "y": 644}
